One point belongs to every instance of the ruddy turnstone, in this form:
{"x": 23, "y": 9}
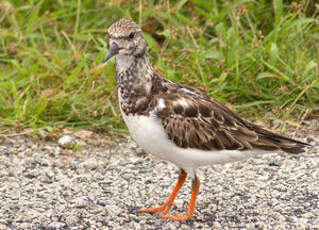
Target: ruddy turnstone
{"x": 180, "y": 124}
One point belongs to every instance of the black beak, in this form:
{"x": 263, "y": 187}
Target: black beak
{"x": 114, "y": 49}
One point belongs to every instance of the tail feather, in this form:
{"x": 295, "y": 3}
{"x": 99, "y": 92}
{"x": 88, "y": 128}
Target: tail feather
{"x": 284, "y": 143}
{"x": 295, "y": 150}
{"x": 290, "y": 145}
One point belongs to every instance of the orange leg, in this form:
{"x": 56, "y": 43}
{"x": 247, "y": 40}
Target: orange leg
{"x": 170, "y": 201}
{"x": 191, "y": 206}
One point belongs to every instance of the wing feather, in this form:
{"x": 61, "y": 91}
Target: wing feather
{"x": 191, "y": 119}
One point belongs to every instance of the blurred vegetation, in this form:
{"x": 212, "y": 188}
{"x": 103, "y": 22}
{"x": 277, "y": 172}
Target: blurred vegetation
{"x": 260, "y": 56}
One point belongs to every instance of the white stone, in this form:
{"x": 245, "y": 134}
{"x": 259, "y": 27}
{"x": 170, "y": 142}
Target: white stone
{"x": 66, "y": 141}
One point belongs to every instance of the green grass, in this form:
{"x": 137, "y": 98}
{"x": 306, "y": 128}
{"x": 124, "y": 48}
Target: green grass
{"x": 259, "y": 56}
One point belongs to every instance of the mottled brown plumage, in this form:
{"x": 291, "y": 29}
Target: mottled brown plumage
{"x": 193, "y": 120}
{"x": 178, "y": 123}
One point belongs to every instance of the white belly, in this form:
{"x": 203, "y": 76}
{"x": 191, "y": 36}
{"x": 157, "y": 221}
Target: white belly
{"x": 150, "y": 135}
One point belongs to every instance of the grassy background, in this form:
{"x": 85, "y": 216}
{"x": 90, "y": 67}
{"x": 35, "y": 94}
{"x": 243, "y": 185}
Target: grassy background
{"x": 260, "y": 56}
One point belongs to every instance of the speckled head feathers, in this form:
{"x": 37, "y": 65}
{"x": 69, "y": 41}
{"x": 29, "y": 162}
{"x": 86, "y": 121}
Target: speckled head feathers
{"x": 126, "y": 43}
{"x": 123, "y": 28}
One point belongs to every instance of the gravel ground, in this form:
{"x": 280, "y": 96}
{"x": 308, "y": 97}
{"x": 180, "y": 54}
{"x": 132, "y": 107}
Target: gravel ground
{"x": 101, "y": 186}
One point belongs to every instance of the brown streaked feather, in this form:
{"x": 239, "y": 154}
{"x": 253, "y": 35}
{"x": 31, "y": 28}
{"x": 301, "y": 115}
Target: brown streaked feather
{"x": 191, "y": 119}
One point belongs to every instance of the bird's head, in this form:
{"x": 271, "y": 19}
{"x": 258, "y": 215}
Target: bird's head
{"x": 125, "y": 38}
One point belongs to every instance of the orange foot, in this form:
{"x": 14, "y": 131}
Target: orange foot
{"x": 163, "y": 209}
{"x": 169, "y": 203}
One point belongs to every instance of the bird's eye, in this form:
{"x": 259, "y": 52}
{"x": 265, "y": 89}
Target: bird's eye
{"x": 131, "y": 36}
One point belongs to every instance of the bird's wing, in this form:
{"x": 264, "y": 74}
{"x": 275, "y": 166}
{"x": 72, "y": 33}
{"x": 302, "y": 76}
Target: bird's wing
{"x": 193, "y": 120}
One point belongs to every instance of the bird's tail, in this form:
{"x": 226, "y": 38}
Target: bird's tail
{"x": 272, "y": 141}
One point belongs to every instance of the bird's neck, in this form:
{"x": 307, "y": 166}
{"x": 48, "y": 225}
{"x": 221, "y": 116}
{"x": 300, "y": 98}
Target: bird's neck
{"x": 125, "y": 63}
{"x": 134, "y": 82}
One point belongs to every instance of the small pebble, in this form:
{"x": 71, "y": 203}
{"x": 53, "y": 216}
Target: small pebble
{"x": 66, "y": 141}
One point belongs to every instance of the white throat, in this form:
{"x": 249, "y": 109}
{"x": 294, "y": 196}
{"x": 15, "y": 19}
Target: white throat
{"x": 123, "y": 62}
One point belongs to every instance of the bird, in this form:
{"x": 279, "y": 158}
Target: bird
{"x": 180, "y": 124}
